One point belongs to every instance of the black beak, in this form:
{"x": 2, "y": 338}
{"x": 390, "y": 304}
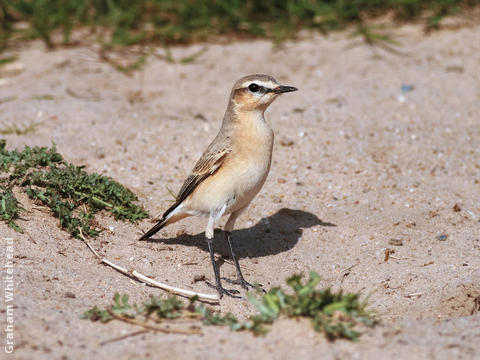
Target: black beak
{"x": 283, "y": 89}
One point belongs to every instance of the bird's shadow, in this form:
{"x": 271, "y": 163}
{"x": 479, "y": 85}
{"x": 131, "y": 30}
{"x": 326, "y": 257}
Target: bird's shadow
{"x": 271, "y": 235}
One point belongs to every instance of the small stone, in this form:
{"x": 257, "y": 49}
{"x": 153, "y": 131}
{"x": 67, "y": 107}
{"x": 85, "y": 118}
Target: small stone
{"x": 407, "y": 88}
{"x": 396, "y": 242}
{"x": 100, "y": 153}
{"x": 200, "y": 116}
{"x": 199, "y": 277}
{"x": 70, "y": 295}
{"x": 276, "y": 199}
{"x": 442, "y": 237}
{"x": 457, "y": 208}
{"x": 286, "y": 142}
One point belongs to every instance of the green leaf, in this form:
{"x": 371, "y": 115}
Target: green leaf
{"x": 73, "y": 195}
{"x": 321, "y": 306}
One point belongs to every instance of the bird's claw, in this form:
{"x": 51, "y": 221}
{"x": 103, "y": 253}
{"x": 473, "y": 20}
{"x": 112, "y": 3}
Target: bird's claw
{"x": 222, "y": 291}
{"x": 244, "y": 284}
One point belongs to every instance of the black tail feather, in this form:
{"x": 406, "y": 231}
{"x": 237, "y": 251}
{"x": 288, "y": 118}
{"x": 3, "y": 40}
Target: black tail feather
{"x": 159, "y": 226}
{"x": 154, "y": 229}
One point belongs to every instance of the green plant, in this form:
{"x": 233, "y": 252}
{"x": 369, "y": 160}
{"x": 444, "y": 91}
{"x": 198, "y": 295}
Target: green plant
{"x": 15, "y": 129}
{"x": 170, "y": 21}
{"x": 9, "y": 208}
{"x": 73, "y": 195}
{"x": 333, "y": 313}
{"x": 7, "y": 60}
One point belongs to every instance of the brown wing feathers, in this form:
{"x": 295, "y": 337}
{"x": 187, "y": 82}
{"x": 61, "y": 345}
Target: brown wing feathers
{"x": 206, "y": 166}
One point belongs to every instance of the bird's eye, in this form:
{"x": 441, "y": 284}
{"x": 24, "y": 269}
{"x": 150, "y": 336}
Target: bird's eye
{"x": 253, "y": 87}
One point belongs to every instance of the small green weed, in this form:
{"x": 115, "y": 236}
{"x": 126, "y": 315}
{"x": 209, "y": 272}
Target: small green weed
{"x": 17, "y": 130}
{"x": 42, "y": 97}
{"x": 9, "y": 208}
{"x": 181, "y": 21}
{"x": 73, "y": 195}
{"x": 7, "y": 60}
{"x": 333, "y": 313}
{"x": 7, "y": 99}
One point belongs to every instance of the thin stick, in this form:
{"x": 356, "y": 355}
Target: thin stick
{"x": 166, "y": 287}
{"x": 414, "y": 295}
{"x": 147, "y": 280}
{"x": 86, "y": 243}
{"x": 123, "y": 337}
{"x": 397, "y": 258}
{"x": 154, "y": 328}
{"x": 350, "y": 267}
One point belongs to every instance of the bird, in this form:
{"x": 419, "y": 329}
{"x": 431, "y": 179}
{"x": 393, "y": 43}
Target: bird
{"x": 232, "y": 170}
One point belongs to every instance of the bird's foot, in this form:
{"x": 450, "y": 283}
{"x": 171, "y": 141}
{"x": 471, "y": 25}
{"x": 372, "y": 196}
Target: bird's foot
{"x": 245, "y": 284}
{"x": 222, "y": 291}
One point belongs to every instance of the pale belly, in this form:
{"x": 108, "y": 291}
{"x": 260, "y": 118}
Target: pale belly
{"x": 240, "y": 178}
{"x": 233, "y": 187}
{"x": 247, "y": 184}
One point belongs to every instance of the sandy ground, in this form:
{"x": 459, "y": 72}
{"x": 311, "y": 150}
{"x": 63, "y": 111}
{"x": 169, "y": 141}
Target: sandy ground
{"x": 352, "y": 149}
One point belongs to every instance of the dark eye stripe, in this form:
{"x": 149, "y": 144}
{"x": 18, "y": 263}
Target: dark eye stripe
{"x": 255, "y": 88}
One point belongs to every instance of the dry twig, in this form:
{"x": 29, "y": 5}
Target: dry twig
{"x": 123, "y": 337}
{"x": 147, "y": 280}
{"x": 165, "y": 330}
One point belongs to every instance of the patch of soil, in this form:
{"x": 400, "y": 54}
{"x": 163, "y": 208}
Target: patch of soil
{"x": 373, "y": 147}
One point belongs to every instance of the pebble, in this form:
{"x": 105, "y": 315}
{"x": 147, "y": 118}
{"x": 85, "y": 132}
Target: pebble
{"x": 70, "y": 295}
{"x": 286, "y": 142}
{"x": 406, "y": 88}
{"x": 276, "y": 199}
{"x": 396, "y": 242}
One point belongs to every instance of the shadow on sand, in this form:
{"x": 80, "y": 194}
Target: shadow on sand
{"x": 271, "y": 235}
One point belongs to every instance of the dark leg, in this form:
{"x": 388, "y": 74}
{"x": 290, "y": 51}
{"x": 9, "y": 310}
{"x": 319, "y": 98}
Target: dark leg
{"x": 218, "y": 284}
{"x": 240, "y": 280}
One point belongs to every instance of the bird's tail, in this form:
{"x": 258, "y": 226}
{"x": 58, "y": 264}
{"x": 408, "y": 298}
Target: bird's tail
{"x": 158, "y": 226}
{"x": 168, "y": 218}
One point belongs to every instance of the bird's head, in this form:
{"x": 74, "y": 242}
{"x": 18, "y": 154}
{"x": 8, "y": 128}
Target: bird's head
{"x": 256, "y": 92}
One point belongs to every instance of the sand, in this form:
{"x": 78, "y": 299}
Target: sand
{"x": 374, "y": 147}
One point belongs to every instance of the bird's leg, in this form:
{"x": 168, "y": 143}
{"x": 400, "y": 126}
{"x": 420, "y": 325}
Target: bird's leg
{"x": 240, "y": 280}
{"x": 209, "y": 235}
{"x": 228, "y": 230}
{"x": 218, "y": 285}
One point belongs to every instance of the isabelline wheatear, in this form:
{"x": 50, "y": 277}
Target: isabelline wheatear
{"x": 233, "y": 168}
